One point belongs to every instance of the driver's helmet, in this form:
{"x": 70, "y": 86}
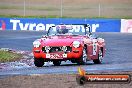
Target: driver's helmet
{"x": 61, "y": 29}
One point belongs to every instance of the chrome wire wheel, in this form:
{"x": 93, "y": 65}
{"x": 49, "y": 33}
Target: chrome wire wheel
{"x": 84, "y": 58}
{"x": 100, "y": 57}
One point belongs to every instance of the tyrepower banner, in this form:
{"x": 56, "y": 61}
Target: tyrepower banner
{"x": 43, "y": 24}
{"x": 126, "y": 25}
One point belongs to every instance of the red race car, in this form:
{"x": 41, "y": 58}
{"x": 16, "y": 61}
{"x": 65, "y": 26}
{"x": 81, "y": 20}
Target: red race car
{"x": 68, "y": 42}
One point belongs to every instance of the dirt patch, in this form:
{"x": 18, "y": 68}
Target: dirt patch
{"x": 54, "y": 81}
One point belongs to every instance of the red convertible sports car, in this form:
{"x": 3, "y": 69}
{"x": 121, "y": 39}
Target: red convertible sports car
{"x": 68, "y": 42}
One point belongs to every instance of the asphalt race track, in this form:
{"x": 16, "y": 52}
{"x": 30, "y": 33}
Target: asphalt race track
{"x": 117, "y": 58}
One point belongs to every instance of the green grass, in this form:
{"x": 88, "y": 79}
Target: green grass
{"x": 43, "y": 8}
{"x": 56, "y": 16}
{"x": 40, "y": 16}
{"x": 79, "y": 9}
{"x": 10, "y": 7}
{"x": 6, "y": 56}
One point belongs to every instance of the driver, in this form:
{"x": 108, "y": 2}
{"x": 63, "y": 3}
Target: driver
{"x": 62, "y": 30}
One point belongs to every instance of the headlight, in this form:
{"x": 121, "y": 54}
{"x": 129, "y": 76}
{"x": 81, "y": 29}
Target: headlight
{"x": 36, "y": 43}
{"x": 76, "y": 44}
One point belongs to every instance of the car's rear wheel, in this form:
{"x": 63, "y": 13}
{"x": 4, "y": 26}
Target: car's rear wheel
{"x": 83, "y": 59}
{"x": 38, "y": 62}
{"x": 99, "y": 60}
{"x": 56, "y": 63}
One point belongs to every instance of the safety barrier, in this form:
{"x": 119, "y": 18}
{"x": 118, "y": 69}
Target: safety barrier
{"x": 43, "y": 24}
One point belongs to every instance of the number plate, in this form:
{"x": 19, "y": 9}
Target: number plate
{"x": 56, "y": 56}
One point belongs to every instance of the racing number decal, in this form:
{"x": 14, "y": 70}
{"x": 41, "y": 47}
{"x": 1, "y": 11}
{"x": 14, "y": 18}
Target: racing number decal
{"x": 56, "y": 56}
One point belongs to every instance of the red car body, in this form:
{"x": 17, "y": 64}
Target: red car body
{"x": 57, "y": 48}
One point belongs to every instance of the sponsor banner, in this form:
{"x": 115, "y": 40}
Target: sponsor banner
{"x": 84, "y": 77}
{"x": 43, "y": 24}
{"x": 126, "y": 25}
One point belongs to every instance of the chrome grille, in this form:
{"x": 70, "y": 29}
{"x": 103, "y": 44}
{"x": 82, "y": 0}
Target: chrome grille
{"x": 57, "y": 49}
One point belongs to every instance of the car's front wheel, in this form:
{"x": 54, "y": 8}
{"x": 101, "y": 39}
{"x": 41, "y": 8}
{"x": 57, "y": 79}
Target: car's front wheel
{"x": 56, "y": 63}
{"x": 83, "y": 59}
{"x": 99, "y": 60}
{"x": 38, "y": 62}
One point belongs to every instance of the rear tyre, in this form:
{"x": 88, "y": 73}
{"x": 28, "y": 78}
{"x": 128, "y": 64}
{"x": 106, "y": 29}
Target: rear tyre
{"x": 56, "y": 63}
{"x": 99, "y": 60}
{"x": 38, "y": 62}
{"x": 83, "y": 59}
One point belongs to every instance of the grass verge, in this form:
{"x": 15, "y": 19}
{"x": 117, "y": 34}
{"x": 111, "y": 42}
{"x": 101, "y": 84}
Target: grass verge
{"x": 56, "y": 16}
{"x": 6, "y": 56}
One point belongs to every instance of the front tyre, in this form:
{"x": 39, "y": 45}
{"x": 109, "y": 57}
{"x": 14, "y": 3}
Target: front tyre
{"x": 99, "y": 60}
{"x": 83, "y": 59}
{"x": 38, "y": 62}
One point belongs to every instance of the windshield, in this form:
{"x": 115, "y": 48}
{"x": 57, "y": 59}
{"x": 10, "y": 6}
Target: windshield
{"x": 67, "y": 30}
